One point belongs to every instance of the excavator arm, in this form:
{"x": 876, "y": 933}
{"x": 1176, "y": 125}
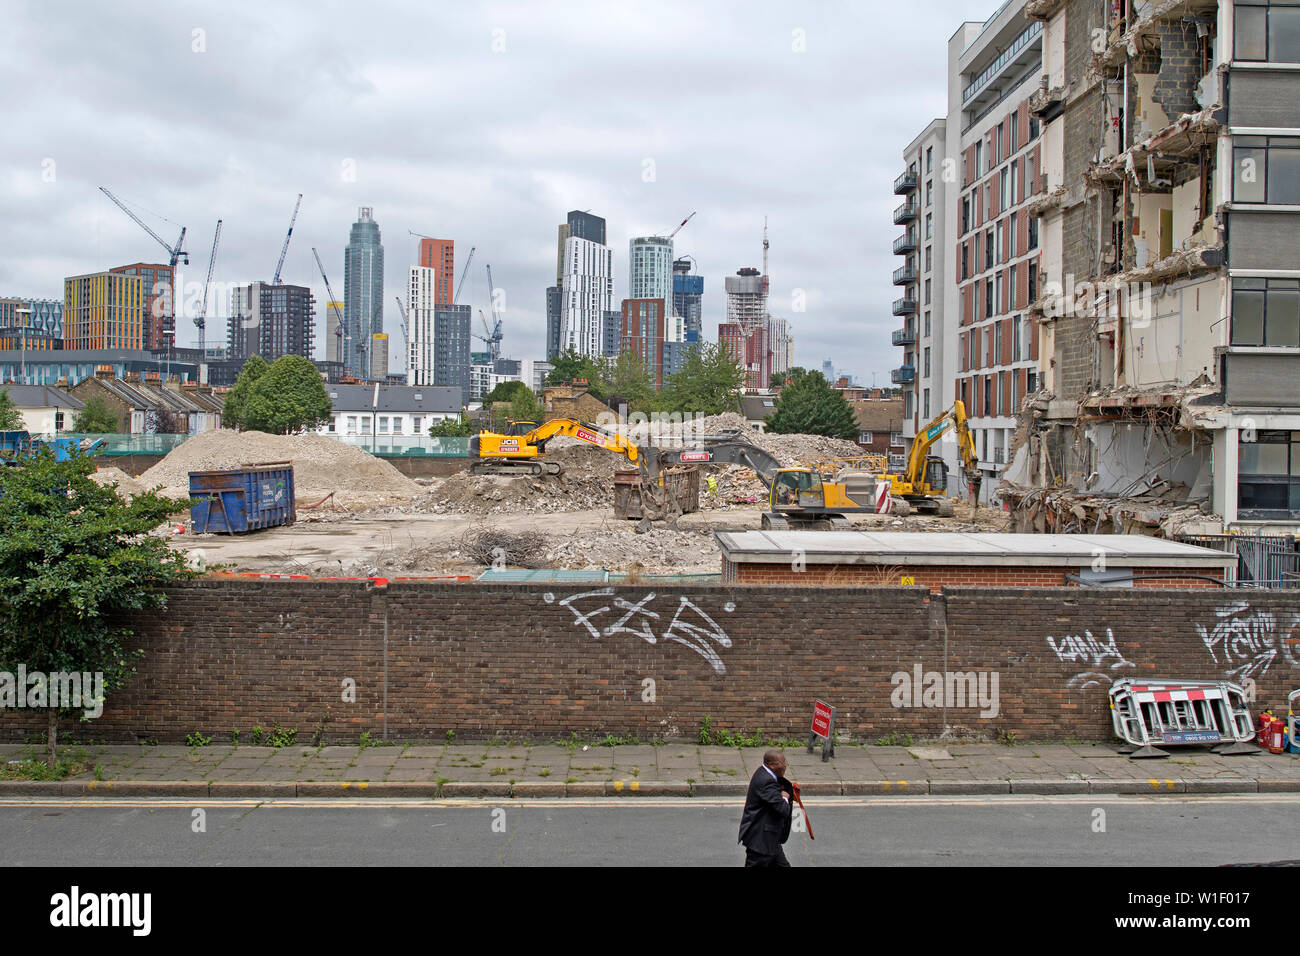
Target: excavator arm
{"x": 521, "y": 454}
{"x": 954, "y": 417}
{"x": 724, "y": 452}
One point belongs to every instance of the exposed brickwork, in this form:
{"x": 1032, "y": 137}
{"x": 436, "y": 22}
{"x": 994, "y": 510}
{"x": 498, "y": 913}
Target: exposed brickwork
{"x": 482, "y": 660}
{"x": 1180, "y": 69}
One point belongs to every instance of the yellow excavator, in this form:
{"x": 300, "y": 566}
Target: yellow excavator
{"x": 523, "y": 450}
{"x": 925, "y": 480}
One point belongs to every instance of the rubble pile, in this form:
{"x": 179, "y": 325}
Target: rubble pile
{"x": 127, "y": 486}
{"x": 321, "y": 466}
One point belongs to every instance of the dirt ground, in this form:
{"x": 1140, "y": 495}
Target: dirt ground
{"x": 398, "y": 544}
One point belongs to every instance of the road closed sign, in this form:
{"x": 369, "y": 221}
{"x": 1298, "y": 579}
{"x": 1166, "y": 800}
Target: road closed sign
{"x": 822, "y": 716}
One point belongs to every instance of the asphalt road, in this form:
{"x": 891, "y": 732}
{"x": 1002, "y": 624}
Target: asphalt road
{"x": 643, "y": 831}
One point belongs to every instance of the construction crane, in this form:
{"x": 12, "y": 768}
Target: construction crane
{"x": 679, "y": 228}
{"x": 494, "y": 334}
{"x": 341, "y": 332}
{"x": 464, "y": 272}
{"x": 284, "y": 249}
{"x": 176, "y": 253}
{"x": 201, "y": 320}
{"x": 406, "y": 342}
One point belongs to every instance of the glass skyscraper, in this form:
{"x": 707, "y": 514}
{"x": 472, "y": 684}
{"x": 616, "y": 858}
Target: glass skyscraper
{"x": 363, "y": 292}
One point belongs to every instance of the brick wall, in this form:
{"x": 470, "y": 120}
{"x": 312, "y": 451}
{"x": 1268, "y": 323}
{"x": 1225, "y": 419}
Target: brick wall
{"x": 937, "y": 577}
{"x": 517, "y": 660}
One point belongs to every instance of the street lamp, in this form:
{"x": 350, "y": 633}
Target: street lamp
{"x": 22, "y": 344}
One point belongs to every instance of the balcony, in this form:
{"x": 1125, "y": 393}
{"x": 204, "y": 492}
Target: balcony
{"x": 1022, "y": 50}
{"x": 905, "y": 276}
{"x": 905, "y": 184}
{"x": 905, "y": 213}
{"x": 905, "y": 336}
{"x": 905, "y": 375}
{"x": 905, "y": 244}
{"x": 905, "y": 307}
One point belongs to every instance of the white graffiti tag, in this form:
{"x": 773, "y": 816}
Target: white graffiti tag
{"x": 1247, "y": 643}
{"x": 699, "y": 634}
{"x": 1092, "y": 652}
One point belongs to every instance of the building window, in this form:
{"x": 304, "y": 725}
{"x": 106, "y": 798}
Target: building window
{"x": 929, "y": 159}
{"x": 988, "y": 250}
{"x": 866, "y": 438}
{"x": 1004, "y": 187}
{"x": 988, "y": 298}
{"x": 896, "y": 438}
{"x": 965, "y": 260}
{"x": 928, "y": 290}
{"x": 1033, "y": 233}
{"x": 1031, "y": 381}
{"x": 1268, "y": 476}
{"x": 926, "y": 399}
{"x": 1266, "y": 312}
{"x": 929, "y": 225}
{"x": 1033, "y": 128}
{"x": 927, "y": 362}
{"x": 929, "y": 258}
{"x": 1033, "y": 280}
{"x": 1011, "y": 232}
{"x": 927, "y": 325}
{"x": 1015, "y": 340}
{"x": 929, "y": 193}
{"x": 965, "y": 215}
{"x": 352, "y": 424}
{"x": 417, "y": 424}
{"x": 1266, "y": 32}
{"x": 1266, "y": 170}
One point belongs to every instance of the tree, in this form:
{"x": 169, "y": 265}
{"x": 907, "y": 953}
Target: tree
{"x": 451, "y": 428}
{"x": 630, "y": 380}
{"x": 809, "y": 406}
{"x": 232, "y": 413}
{"x": 526, "y": 407}
{"x": 11, "y": 420}
{"x": 708, "y": 382}
{"x": 570, "y": 366}
{"x": 95, "y": 418}
{"x": 75, "y": 557}
{"x": 289, "y": 397}
{"x": 505, "y": 392}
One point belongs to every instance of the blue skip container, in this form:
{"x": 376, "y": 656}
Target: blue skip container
{"x": 236, "y": 500}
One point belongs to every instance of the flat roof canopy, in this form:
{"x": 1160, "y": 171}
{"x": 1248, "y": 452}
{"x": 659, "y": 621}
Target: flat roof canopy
{"x": 903, "y": 548}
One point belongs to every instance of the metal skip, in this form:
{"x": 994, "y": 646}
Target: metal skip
{"x": 1145, "y": 713}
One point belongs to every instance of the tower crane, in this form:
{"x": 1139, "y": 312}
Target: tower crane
{"x": 401, "y": 308}
{"x": 201, "y": 320}
{"x": 464, "y": 272}
{"x": 284, "y": 249}
{"x": 341, "y": 332}
{"x": 679, "y": 227}
{"x": 495, "y": 333}
{"x": 174, "y": 252}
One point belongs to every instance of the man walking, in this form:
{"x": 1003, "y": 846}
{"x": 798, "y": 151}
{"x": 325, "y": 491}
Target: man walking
{"x": 765, "y": 824}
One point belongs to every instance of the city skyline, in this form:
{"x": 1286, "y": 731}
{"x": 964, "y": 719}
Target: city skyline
{"x": 502, "y": 179}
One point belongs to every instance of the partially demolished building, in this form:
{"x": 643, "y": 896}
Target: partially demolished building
{"x": 1168, "y": 306}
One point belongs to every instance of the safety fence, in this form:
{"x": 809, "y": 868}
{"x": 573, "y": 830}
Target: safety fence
{"x": 1263, "y": 561}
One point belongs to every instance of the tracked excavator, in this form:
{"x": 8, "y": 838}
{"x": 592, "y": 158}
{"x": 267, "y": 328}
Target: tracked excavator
{"x": 523, "y": 450}
{"x": 924, "y": 482}
{"x": 798, "y": 498}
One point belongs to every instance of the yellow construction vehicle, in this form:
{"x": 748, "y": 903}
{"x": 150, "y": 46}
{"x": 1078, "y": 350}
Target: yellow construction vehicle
{"x": 523, "y": 452}
{"x": 797, "y": 497}
{"x": 924, "y": 482}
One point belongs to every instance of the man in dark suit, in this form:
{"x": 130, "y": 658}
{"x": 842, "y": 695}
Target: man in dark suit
{"x": 765, "y": 824}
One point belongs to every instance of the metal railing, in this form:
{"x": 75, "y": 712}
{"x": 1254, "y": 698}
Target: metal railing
{"x": 998, "y": 65}
{"x": 1263, "y": 561}
{"x": 408, "y": 446}
{"x": 120, "y": 444}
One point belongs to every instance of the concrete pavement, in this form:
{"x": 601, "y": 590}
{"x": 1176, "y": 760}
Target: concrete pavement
{"x": 507, "y": 769}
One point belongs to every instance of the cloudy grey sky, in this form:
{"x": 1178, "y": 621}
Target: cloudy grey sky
{"x": 484, "y": 123}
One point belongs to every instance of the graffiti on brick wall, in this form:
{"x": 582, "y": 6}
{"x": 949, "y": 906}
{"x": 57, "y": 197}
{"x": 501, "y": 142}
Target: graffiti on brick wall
{"x": 689, "y": 626}
{"x": 1092, "y": 653}
{"x": 1246, "y": 642}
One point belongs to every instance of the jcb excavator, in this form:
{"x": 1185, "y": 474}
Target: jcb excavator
{"x": 925, "y": 480}
{"x": 522, "y": 452}
{"x": 797, "y": 497}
